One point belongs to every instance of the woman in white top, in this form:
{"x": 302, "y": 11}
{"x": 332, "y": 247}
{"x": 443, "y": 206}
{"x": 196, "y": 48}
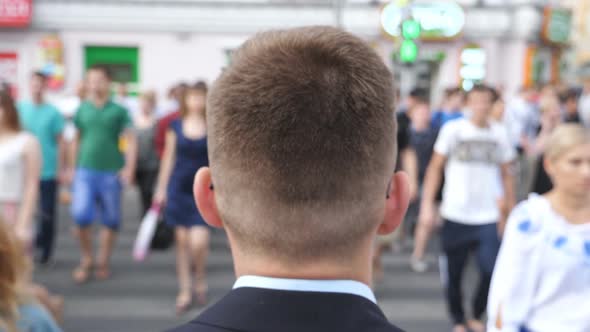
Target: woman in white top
{"x": 541, "y": 281}
{"x": 20, "y": 167}
{"x": 20, "y": 164}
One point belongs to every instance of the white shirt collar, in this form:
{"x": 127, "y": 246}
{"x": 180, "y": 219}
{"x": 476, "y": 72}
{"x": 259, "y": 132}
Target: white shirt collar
{"x": 301, "y": 285}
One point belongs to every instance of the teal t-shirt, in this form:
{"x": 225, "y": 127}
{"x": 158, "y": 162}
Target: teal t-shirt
{"x": 46, "y": 123}
{"x": 99, "y": 130}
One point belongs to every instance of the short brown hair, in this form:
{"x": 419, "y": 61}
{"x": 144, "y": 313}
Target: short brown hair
{"x": 481, "y": 88}
{"x": 10, "y": 113}
{"x": 302, "y": 140}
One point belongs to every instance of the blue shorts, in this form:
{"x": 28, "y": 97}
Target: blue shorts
{"x": 96, "y": 189}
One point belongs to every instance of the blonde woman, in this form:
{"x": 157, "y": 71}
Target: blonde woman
{"x": 541, "y": 282}
{"x": 18, "y": 309}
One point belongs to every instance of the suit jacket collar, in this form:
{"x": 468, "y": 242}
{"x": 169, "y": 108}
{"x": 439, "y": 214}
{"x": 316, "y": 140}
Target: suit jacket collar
{"x": 266, "y": 310}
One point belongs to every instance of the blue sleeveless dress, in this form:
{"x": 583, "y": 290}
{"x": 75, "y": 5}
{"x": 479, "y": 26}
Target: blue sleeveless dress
{"x": 191, "y": 154}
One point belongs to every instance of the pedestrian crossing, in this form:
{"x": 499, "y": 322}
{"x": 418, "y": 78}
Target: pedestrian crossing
{"x": 141, "y": 296}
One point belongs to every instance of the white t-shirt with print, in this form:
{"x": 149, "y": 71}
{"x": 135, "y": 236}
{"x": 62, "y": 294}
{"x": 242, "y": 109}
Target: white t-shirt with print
{"x": 474, "y": 156}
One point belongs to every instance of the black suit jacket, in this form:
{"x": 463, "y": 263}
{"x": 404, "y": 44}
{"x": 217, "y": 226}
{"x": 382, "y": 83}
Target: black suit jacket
{"x": 265, "y": 310}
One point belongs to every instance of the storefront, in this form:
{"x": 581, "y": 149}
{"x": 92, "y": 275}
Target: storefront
{"x": 155, "y": 44}
{"x": 149, "y": 45}
{"x": 544, "y": 62}
{"x": 466, "y": 45}
{"x": 14, "y": 14}
{"x": 144, "y": 60}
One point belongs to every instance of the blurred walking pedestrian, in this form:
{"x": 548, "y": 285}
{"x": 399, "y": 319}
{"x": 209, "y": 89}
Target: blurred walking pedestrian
{"x": 47, "y": 124}
{"x": 173, "y": 100}
{"x": 20, "y": 166}
{"x": 148, "y": 163}
{"x": 100, "y": 169}
{"x": 408, "y": 162}
{"x": 550, "y": 119}
{"x": 176, "y": 99}
{"x": 473, "y": 152}
{"x": 521, "y": 118}
{"x": 540, "y": 282}
{"x": 423, "y": 138}
{"x": 127, "y": 101}
{"x": 184, "y": 153}
{"x": 569, "y": 100}
{"x": 451, "y": 108}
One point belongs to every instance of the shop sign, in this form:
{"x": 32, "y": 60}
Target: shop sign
{"x": 541, "y": 65}
{"x": 8, "y": 70}
{"x": 50, "y": 61}
{"x": 439, "y": 20}
{"x": 15, "y": 13}
{"x": 557, "y": 25}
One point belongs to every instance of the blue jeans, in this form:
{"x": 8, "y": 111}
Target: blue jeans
{"x": 458, "y": 240}
{"x": 46, "y": 227}
{"x": 94, "y": 189}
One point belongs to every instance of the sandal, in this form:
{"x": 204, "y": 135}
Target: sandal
{"x": 81, "y": 273}
{"x": 102, "y": 272}
{"x": 184, "y": 300}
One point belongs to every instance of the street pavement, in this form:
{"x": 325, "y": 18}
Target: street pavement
{"x": 140, "y": 297}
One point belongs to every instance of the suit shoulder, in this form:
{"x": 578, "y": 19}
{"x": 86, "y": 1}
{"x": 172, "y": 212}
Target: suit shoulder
{"x": 393, "y": 328}
{"x": 384, "y": 326}
{"x": 196, "y": 326}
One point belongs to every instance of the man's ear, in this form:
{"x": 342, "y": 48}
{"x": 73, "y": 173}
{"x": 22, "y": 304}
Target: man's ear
{"x": 205, "y": 198}
{"x": 396, "y": 203}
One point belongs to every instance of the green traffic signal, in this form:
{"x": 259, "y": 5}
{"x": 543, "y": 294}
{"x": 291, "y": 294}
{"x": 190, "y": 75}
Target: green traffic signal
{"x": 411, "y": 29}
{"x": 408, "y": 51}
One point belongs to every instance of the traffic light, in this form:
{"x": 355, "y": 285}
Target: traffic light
{"x": 411, "y": 29}
{"x": 408, "y": 51}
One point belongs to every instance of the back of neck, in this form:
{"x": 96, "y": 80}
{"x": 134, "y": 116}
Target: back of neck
{"x": 350, "y": 268}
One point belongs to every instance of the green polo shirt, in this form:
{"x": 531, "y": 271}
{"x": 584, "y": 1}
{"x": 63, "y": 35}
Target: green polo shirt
{"x": 99, "y": 130}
